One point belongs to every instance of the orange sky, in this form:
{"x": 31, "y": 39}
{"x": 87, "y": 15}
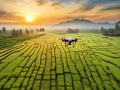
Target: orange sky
{"x": 55, "y": 11}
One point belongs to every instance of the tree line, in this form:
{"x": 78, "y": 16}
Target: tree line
{"x": 3, "y": 30}
{"x": 70, "y": 30}
{"x": 19, "y": 32}
{"x": 111, "y": 31}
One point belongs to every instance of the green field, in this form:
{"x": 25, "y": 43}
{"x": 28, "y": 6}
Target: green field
{"x": 44, "y": 63}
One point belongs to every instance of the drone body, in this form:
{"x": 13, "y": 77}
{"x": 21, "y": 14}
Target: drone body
{"x": 69, "y": 41}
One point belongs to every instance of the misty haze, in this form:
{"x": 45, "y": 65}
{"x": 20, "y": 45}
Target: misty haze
{"x": 59, "y": 45}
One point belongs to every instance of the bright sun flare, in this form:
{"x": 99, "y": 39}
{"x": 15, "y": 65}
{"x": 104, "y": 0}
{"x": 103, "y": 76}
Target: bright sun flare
{"x": 29, "y": 18}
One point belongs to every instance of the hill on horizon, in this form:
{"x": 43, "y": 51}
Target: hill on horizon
{"x": 81, "y": 24}
{"x": 84, "y": 24}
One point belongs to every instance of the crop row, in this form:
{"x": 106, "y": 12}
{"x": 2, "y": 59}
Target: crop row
{"x": 48, "y": 65}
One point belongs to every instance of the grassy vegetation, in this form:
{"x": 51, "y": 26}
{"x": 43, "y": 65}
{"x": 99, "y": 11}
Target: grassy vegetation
{"x": 44, "y": 63}
{"x": 7, "y": 40}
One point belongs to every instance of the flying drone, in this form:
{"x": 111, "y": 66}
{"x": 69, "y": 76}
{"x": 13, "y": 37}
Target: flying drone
{"x": 69, "y": 41}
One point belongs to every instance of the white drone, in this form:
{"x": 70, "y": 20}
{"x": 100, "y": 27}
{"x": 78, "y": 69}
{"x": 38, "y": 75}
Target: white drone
{"x": 69, "y": 41}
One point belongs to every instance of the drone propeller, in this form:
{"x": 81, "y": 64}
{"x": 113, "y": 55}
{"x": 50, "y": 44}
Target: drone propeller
{"x": 69, "y": 41}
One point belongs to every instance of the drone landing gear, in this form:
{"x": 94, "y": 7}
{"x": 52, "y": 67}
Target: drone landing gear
{"x": 69, "y": 43}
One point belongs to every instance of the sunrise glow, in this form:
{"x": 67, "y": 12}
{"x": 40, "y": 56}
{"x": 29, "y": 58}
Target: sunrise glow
{"x": 56, "y": 11}
{"x": 29, "y": 19}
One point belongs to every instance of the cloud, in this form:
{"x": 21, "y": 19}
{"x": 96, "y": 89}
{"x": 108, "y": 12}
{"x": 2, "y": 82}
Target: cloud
{"x": 64, "y": 9}
{"x": 57, "y": 5}
{"x": 4, "y": 13}
{"x": 112, "y": 8}
{"x": 53, "y": 3}
{"x": 88, "y": 7}
{"x": 9, "y": 16}
{"x": 13, "y": 1}
{"x": 102, "y": 1}
{"x": 40, "y": 2}
{"x": 84, "y": 8}
{"x": 92, "y": 4}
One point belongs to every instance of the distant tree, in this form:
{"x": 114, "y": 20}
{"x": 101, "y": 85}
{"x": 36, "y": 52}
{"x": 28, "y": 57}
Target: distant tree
{"x": 13, "y": 32}
{"x": 40, "y": 29}
{"x": 106, "y": 32}
{"x": 102, "y": 29}
{"x": 20, "y": 32}
{"x": 77, "y": 30}
{"x": 27, "y": 31}
{"x": 70, "y": 30}
{"x": 43, "y": 29}
{"x": 31, "y": 31}
{"x": 4, "y": 29}
{"x": 117, "y": 26}
{"x": 111, "y": 31}
{"x": 37, "y": 30}
{"x": 17, "y": 32}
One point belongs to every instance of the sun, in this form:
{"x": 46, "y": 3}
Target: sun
{"x": 29, "y": 18}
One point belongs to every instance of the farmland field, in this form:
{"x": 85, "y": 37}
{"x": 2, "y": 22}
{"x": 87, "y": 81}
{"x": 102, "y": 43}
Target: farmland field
{"x": 44, "y": 63}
